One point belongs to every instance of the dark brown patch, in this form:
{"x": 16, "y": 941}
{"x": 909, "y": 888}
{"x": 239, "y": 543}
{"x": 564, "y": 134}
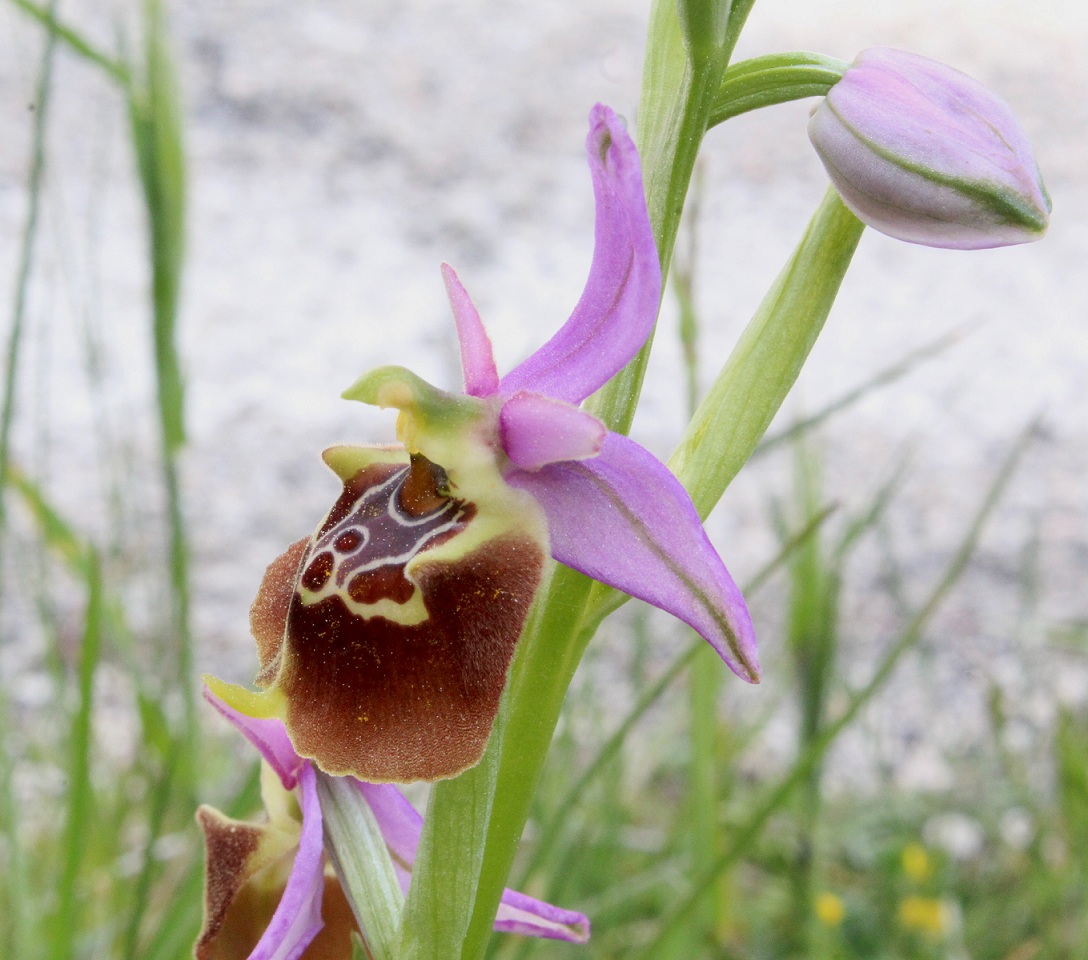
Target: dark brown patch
{"x": 384, "y": 583}
{"x": 387, "y": 702}
{"x": 425, "y": 489}
{"x": 317, "y": 571}
{"x": 349, "y": 541}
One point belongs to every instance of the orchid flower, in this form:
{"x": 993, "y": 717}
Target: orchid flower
{"x": 270, "y": 892}
{"x": 385, "y": 638}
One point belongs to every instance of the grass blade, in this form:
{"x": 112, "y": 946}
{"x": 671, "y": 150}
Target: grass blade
{"x": 155, "y": 116}
{"x": 554, "y": 827}
{"x": 80, "y": 798}
{"x": 72, "y": 39}
{"x": 26, "y": 255}
{"x": 777, "y": 796}
{"x": 15, "y": 926}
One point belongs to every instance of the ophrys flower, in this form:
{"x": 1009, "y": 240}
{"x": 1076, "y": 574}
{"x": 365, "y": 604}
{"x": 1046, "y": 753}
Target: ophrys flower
{"x": 385, "y": 638}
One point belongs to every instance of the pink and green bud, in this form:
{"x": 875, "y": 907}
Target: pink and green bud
{"x": 926, "y": 154}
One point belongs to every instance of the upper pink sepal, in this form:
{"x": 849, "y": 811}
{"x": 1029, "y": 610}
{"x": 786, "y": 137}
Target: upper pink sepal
{"x": 618, "y": 307}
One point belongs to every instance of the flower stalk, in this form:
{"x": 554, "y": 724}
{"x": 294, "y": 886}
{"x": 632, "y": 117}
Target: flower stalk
{"x": 774, "y": 79}
{"x": 677, "y": 97}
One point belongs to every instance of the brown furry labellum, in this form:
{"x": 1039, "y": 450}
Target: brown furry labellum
{"x": 388, "y": 634}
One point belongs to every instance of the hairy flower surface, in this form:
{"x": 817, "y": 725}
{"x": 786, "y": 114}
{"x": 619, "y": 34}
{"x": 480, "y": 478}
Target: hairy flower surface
{"x": 385, "y": 639}
{"x": 271, "y": 895}
{"x": 924, "y": 153}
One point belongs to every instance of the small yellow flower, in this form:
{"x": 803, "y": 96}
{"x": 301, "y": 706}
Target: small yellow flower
{"x": 916, "y": 862}
{"x": 829, "y": 909}
{"x": 925, "y": 914}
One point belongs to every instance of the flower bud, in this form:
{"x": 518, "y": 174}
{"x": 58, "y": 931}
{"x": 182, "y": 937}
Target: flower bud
{"x": 926, "y": 154}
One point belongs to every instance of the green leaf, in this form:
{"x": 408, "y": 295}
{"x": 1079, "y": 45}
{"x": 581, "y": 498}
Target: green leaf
{"x": 449, "y": 860}
{"x": 767, "y": 359}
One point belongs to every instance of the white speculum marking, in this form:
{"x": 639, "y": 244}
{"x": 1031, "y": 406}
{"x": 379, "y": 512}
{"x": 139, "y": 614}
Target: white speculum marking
{"x": 376, "y": 533}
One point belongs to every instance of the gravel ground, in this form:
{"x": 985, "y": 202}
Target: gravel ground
{"x": 339, "y": 151}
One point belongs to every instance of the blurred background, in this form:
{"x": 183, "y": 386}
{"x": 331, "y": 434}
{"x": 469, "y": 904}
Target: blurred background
{"x": 327, "y": 157}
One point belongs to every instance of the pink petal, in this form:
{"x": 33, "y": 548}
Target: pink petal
{"x": 624, "y": 519}
{"x": 477, "y": 357}
{"x": 399, "y": 823}
{"x": 297, "y": 919}
{"x": 538, "y": 430}
{"x": 619, "y": 305}
{"x": 401, "y": 826}
{"x": 268, "y": 736}
{"x": 534, "y": 918}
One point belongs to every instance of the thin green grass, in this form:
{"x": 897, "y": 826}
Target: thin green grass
{"x": 156, "y": 124}
{"x": 159, "y": 789}
{"x": 14, "y": 904}
{"x": 711, "y": 855}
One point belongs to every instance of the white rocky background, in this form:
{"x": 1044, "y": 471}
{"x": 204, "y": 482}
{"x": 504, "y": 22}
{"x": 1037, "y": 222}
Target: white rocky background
{"x": 339, "y": 151}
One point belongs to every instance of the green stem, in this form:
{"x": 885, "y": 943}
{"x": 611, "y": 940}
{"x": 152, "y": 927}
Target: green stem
{"x": 773, "y": 79}
{"x": 545, "y": 662}
{"x": 447, "y": 866}
{"x": 678, "y": 94}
